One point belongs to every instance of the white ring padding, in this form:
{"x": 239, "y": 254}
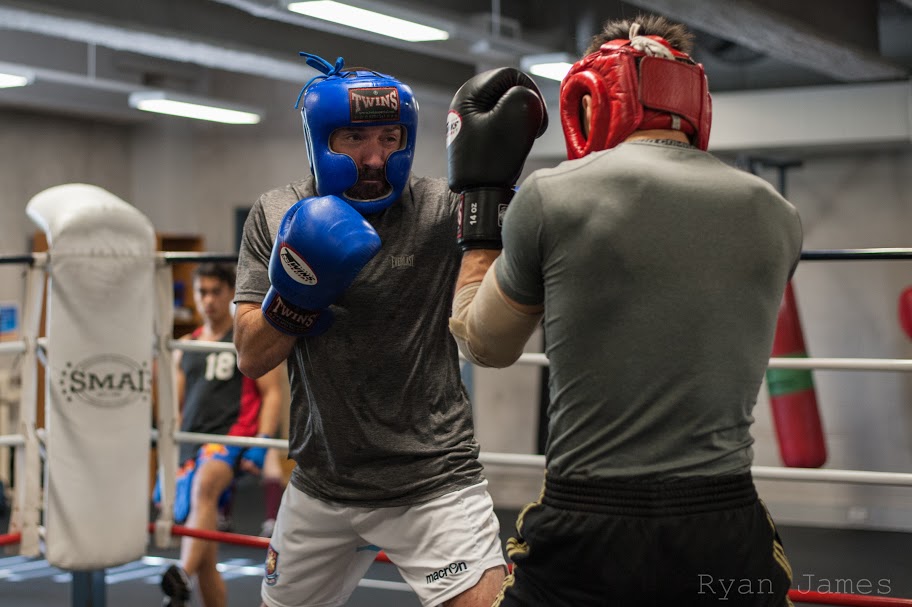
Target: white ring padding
{"x": 99, "y": 371}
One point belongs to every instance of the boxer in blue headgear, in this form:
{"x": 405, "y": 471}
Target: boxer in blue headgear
{"x": 361, "y": 98}
{"x": 347, "y": 274}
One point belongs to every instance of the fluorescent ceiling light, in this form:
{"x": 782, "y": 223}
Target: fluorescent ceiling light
{"x": 360, "y": 18}
{"x": 162, "y": 102}
{"x": 554, "y": 71}
{"x": 549, "y": 65}
{"x": 10, "y": 80}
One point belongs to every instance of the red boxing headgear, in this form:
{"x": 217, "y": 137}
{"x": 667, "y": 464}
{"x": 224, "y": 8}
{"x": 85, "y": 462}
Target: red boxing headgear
{"x": 635, "y": 84}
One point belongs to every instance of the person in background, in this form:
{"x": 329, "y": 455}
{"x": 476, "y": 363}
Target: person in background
{"x": 215, "y": 398}
{"x": 274, "y": 477}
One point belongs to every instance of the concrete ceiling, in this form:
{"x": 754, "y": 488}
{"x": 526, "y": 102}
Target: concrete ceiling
{"x": 88, "y": 55}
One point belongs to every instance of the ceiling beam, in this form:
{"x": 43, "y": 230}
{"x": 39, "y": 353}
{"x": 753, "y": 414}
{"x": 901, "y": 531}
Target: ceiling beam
{"x": 260, "y": 32}
{"x": 235, "y": 40}
{"x": 783, "y": 37}
{"x": 154, "y": 44}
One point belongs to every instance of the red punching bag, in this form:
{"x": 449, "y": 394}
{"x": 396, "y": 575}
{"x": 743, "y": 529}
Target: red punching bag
{"x": 792, "y": 397}
{"x": 905, "y": 311}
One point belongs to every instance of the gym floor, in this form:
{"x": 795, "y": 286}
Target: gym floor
{"x": 875, "y": 563}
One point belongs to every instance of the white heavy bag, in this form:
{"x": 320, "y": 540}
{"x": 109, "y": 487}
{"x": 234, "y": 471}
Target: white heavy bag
{"x": 98, "y": 411}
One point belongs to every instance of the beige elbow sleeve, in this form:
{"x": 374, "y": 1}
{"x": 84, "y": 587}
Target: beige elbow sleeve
{"x": 489, "y": 331}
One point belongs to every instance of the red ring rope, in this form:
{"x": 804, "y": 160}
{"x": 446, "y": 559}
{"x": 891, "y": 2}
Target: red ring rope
{"x": 853, "y": 600}
{"x": 236, "y": 539}
{"x": 799, "y": 596}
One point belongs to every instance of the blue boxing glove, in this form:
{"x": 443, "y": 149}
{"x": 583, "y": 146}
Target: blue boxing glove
{"x": 321, "y": 246}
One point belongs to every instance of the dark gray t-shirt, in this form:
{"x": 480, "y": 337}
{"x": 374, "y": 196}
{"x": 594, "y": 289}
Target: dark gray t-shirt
{"x": 661, "y": 270}
{"x": 379, "y": 414}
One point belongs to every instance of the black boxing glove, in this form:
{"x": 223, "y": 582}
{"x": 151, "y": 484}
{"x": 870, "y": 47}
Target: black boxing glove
{"x": 493, "y": 120}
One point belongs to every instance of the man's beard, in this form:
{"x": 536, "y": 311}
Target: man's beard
{"x": 364, "y": 190}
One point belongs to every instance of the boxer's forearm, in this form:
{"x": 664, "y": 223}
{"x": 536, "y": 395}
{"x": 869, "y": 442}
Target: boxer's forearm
{"x": 260, "y": 347}
{"x": 475, "y": 264}
{"x": 488, "y": 326}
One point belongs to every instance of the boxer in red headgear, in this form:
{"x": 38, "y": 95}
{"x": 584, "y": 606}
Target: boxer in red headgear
{"x": 657, "y": 271}
{"x": 635, "y": 84}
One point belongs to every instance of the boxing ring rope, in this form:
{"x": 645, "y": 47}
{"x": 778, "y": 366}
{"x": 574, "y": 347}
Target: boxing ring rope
{"x": 823, "y": 364}
{"x": 12, "y": 440}
{"x": 12, "y": 347}
{"x": 867, "y": 254}
{"x": 801, "y": 596}
{"x": 541, "y": 360}
{"x": 857, "y": 254}
{"x": 27, "y": 504}
{"x": 538, "y": 461}
{"x": 8, "y": 539}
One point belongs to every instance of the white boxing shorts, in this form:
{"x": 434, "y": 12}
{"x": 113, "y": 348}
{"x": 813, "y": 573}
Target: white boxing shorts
{"x": 320, "y": 551}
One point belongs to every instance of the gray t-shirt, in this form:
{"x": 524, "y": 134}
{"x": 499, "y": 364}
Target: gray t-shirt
{"x": 379, "y": 414}
{"x": 661, "y": 270}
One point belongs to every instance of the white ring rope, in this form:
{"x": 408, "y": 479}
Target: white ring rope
{"x": 835, "y": 364}
{"x": 537, "y": 462}
{"x": 825, "y": 475}
{"x": 12, "y": 440}
{"x": 864, "y": 477}
{"x": 196, "y": 345}
{"x": 224, "y": 439}
{"x": 541, "y": 360}
{"x": 12, "y": 347}
{"x": 843, "y": 364}
{"x": 28, "y": 443}
{"x": 822, "y": 475}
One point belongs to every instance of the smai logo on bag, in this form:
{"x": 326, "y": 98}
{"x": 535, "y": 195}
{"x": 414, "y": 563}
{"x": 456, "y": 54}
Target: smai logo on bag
{"x": 106, "y": 380}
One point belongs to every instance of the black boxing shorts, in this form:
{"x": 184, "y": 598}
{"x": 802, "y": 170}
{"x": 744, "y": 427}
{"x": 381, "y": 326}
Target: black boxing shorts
{"x": 695, "y": 541}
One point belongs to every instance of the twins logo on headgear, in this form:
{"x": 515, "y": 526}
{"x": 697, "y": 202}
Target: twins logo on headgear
{"x": 635, "y": 84}
{"x": 338, "y": 99}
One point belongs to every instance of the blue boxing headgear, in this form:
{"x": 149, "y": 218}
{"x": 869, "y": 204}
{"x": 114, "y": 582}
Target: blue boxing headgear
{"x": 339, "y": 99}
